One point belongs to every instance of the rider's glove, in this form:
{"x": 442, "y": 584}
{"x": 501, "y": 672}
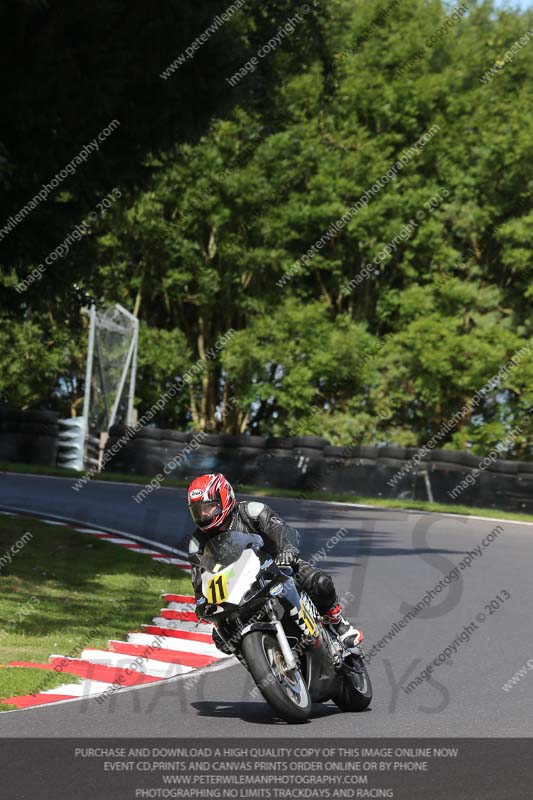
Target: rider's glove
{"x": 287, "y": 557}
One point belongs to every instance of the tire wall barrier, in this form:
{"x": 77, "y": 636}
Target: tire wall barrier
{"x": 29, "y": 437}
{"x": 304, "y": 464}
{"x": 310, "y": 463}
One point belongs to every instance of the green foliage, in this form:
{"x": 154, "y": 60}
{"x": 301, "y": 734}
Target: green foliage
{"x": 65, "y": 591}
{"x": 296, "y": 363}
{"x": 41, "y": 362}
{"x": 163, "y": 357}
{"x": 214, "y": 218}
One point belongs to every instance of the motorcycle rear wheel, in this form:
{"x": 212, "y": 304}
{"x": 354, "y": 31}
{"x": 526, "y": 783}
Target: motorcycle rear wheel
{"x": 284, "y": 690}
{"x": 355, "y": 693}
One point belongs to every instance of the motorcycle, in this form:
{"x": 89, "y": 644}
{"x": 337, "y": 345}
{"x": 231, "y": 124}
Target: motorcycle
{"x": 276, "y": 632}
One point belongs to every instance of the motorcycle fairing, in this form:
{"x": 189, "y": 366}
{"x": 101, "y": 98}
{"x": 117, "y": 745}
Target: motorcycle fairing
{"x": 229, "y": 585}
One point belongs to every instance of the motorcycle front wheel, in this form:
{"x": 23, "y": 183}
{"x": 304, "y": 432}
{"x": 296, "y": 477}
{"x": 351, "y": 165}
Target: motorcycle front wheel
{"x": 284, "y": 690}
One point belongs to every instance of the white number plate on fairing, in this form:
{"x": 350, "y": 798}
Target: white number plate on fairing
{"x": 229, "y": 585}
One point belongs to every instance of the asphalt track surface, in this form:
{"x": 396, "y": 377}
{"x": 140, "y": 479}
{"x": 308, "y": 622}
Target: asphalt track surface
{"x": 387, "y": 560}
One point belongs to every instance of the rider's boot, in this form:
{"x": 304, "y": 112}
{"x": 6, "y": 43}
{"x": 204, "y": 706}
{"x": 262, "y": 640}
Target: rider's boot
{"x": 346, "y": 632}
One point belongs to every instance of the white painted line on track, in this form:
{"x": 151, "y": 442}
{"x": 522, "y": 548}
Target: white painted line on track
{"x": 192, "y": 627}
{"x": 145, "y": 666}
{"x": 279, "y": 497}
{"x": 173, "y": 606}
{"x": 420, "y": 511}
{"x": 86, "y": 688}
{"x": 173, "y": 643}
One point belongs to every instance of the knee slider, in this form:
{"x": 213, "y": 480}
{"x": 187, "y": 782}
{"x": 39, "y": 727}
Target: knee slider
{"x": 324, "y": 595}
{"x": 325, "y": 585}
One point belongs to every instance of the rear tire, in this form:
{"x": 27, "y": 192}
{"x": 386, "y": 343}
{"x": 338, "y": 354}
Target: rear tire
{"x": 355, "y": 693}
{"x": 286, "y": 693}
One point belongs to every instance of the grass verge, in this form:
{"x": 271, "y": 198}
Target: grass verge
{"x": 64, "y": 591}
{"x": 16, "y": 681}
{"x": 272, "y": 491}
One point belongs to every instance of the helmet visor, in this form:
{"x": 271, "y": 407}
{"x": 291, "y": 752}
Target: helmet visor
{"x": 204, "y": 512}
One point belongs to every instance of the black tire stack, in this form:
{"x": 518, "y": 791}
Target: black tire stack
{"x": 310, "y": 463}
{"x": 242, "y": 456}
{"x": 28, "y": 437}
{"x": 139, "y": 453}
{"x": 276, "y": 461}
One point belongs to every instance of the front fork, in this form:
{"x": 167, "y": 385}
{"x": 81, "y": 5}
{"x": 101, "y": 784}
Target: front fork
{"x": 274, "y": 626}
{"x": 283, "y": 642}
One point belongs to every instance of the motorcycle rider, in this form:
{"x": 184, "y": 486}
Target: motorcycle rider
{"x": 214, "y": 510}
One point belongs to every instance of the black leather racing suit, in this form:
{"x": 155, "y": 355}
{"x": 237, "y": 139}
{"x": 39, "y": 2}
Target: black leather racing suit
{"x": 256, "y": 517}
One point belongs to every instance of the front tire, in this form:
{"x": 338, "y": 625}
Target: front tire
{"x": 285, "y": 691}
{"x": 355, "y": 693}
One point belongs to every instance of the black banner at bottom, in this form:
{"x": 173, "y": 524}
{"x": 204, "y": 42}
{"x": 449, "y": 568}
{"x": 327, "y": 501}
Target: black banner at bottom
{"x": 138, "y": 769}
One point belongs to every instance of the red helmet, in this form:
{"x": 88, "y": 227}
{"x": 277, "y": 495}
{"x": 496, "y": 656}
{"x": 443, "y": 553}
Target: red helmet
{"x": 210, "y": 499}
